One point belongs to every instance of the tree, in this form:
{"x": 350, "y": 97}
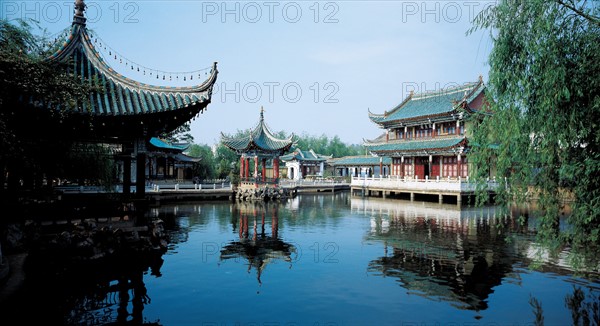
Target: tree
{"x": 544, "y": 90}
{"x": 35, "y": 96}
{"x": 205, "y": 169}
{"x": 180, "y": 135}
{"x": 323, "y": 145}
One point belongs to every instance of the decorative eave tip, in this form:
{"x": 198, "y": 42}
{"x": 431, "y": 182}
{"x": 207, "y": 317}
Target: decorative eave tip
{"x": 78, "y": 17}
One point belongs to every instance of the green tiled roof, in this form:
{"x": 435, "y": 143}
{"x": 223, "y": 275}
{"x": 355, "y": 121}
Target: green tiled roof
{"x": 360, "y": 161}
{"x": 300, "y": 155}
{"x": 180, "y": 157}
{"x": 119, "y": 95}
{"x": 430, "y": 104}
{"x": 260, "y": 138}
{"x": 162, "y": 144}
{"x": 415, "y": 145}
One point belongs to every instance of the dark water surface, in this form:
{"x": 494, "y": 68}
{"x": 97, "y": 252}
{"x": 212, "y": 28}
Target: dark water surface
{"x": 330, "y": 259}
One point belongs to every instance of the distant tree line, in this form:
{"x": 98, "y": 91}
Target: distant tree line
{"x": 221, "y": 162}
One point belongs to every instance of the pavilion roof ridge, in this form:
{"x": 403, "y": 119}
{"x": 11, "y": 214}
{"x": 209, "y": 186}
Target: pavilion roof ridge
{"x": 429, "y": 104}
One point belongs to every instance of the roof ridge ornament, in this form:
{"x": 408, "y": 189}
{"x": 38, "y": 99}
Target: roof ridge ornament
{"x": 78, "y": 17}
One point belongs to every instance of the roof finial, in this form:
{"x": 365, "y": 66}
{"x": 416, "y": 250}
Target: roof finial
{"x": 79, "y": 18}
{"x": 480, "y": 78}
{"x": 261, "y": 113}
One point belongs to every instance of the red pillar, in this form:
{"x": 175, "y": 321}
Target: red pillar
{"x": 247, "y": 168}
{"x": 242, "y": 161}
{"x": 276, "y": 166}
{"x": 380, "y": 168}
{"x": 255, "y": 166}
{"x": 264, "y": 169}
{"x": 458, "y": 172}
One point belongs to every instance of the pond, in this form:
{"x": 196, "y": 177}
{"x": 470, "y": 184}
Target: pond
{"x": 330, "y": 259}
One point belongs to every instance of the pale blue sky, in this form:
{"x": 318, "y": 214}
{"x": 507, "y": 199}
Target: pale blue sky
{"x": 315, "y": 67}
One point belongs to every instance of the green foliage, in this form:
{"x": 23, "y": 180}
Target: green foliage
{"x": 180, "y": 135}
{"x": 205, "y": 169}
{"x": 542, "y": 135}
{"x": 326, "y": 146}
{"x": 35, "y": 96}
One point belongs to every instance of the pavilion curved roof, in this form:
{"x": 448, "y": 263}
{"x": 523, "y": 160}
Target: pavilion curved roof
{"x": 123, "y": 98}
{"x": 306, "y": 156}
{"x": 402, "y": 147}
{"x": 360, "y": 160}
{"x": 429, "y": 104}
{"x": 161, "y": 144}
{"x": 259, "y": 139}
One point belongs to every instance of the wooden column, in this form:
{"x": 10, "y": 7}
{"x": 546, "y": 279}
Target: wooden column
{"x": 242, "y": 169}
{"x": 247, "y": 168}
{"x": 140, "y": 179}
{"x": 276, "y": 167}
{"x": 402, "y": 166}
{"x": 255, "y": 166}
{"x": 127, "y": 174}
{"x": 264, "y": 169}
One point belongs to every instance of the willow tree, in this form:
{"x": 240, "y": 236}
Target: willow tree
{"x": 30, "y": 145}
{"x": 543, "y": 131}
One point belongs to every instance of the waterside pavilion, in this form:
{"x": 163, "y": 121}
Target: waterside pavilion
{"x": 301, "y": 164}
{"x": 361, "y": 165}
{"x": 260, "y": 145}
{"x": 427, "y": 138}
{"x": 122, "y": 112}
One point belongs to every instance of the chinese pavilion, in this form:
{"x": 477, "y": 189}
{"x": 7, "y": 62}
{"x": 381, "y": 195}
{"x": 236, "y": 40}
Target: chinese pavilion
{"x": 304, "y": 163}
{"x": 260, "y": 145}
{"x": 168, "y": 160}
{"x": 427, "y": 134}
{"x": 360, "y": 165}
{"x": 124, "y": 111}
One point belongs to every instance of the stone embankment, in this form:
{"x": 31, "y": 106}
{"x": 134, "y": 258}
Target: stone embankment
{"x": 262, "y": 194}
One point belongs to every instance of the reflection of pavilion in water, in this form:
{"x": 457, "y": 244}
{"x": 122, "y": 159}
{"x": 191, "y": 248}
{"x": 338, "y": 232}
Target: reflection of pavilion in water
{"x": 256, "y": 246}
{"x": 440, "y": 251}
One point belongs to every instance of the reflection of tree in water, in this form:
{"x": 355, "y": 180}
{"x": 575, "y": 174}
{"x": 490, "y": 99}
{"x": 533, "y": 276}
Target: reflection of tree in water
{"x": 584, "y": 311}
{"x": 256, "y": 246}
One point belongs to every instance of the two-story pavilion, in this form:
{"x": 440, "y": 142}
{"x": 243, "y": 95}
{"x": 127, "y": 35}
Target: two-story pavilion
{"x": 427, "y": 134}
{"x": 262, "y": 146}
{"x": 427, "y": 139}
{"x": 120, "y": 111}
